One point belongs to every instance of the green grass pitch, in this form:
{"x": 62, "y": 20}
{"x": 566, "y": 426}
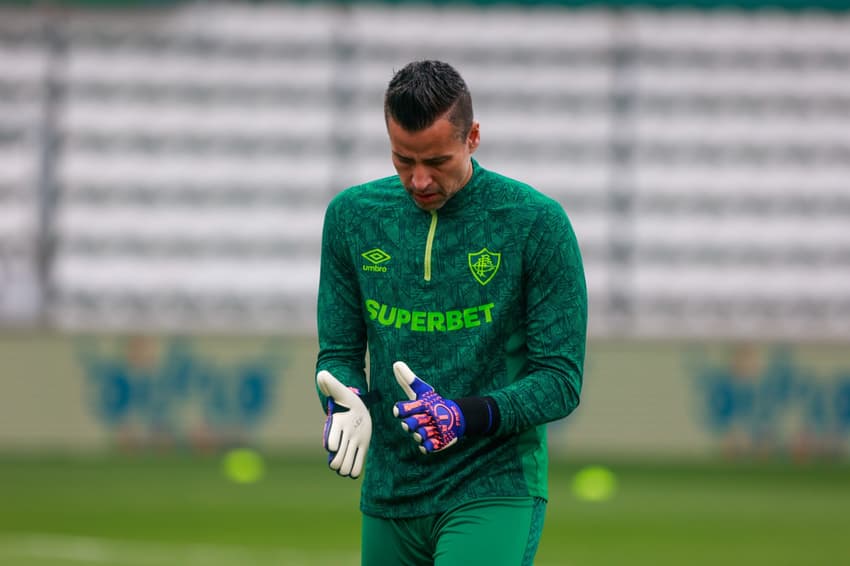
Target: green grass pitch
{"x": 182, "y": 511}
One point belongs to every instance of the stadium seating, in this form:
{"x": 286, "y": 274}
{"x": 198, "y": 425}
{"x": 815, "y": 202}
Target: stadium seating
{"x": 23, "y": 68}
{"x": 703, "y": 157}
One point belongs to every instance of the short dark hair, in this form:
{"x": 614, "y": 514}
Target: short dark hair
{"x": 424, "y": 91}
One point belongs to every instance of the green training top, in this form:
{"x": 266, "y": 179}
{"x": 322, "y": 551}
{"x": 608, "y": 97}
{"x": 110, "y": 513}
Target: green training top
{"x": 485, "y": 296}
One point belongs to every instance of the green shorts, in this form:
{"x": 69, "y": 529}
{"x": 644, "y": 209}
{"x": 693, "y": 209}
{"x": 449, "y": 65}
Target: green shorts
{"x": 499, "y": 531}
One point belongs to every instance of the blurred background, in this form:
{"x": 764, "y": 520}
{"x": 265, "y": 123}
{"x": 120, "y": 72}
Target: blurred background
{"x": 164, "y": 170}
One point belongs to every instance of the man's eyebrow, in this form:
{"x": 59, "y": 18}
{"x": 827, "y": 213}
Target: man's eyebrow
{"x": 429, "y": 160}
{"x": 437, "y": 159}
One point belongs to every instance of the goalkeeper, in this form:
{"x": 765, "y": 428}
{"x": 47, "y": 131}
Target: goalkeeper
{"x": 467, "y": 289}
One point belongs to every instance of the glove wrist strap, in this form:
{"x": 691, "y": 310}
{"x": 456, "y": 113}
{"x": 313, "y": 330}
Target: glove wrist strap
{"x": 481, "y": 415}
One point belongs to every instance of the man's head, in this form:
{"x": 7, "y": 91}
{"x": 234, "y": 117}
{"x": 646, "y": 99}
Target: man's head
{"x": 424, "y": 91}
{"x": 428, "y": 111}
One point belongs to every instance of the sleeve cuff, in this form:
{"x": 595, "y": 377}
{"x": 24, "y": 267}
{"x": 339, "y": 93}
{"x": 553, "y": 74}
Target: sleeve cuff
{"x": 481, "y": 415}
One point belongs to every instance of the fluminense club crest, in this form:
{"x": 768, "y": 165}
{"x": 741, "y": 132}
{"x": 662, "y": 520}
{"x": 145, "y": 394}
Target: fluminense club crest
{"x": 484, "y": 264}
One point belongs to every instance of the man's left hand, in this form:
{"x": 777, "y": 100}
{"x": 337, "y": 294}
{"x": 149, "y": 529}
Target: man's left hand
{"x": 435, "y": 423}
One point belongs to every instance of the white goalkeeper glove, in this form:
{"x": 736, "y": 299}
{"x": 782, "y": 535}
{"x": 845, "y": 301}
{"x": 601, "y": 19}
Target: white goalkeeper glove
{"x": 348, "y": 427}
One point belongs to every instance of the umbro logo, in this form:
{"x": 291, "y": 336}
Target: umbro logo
{"x": 376, "y": 256}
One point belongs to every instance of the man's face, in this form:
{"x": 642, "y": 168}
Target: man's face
{"x": 433, "y": 163}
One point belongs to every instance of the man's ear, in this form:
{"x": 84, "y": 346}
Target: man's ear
{"x": 474, "y": 137}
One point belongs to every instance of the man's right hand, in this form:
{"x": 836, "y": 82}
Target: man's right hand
{"x": 348, "y": 428}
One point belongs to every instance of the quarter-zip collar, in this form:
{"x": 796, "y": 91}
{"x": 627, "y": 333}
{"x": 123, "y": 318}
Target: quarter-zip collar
{"x": 459, "y": 201}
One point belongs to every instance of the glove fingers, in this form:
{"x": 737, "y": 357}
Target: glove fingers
{"x": 348, "y": 461}
{"x": 333, "y": 439}
{"x": 425, "y": 434}
{"x": 420, "y": 387}
{"x": 339, "y": 458}
{"x": 404, "y": 376}
{"x": 416, "y": 422}
{"x": 325, "y": 380}
{"x": 432, "y": 444}
{"x": 357, "y": 467}
{"x": 332, "y": 387}
{"x": 408, "y": 408}
{"x": 413, "y": 386}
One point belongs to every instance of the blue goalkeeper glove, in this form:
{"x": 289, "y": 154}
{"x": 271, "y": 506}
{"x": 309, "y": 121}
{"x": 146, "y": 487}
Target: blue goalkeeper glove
{"x": 348, "y": 428}
{"x": 435, "y": 423}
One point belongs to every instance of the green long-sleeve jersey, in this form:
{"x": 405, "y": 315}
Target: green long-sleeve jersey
{"x": 484, "y": 297}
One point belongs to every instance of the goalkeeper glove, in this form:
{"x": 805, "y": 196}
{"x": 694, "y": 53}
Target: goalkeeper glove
{"x": 348, "y": 427}
{"x": 435, "y": 422}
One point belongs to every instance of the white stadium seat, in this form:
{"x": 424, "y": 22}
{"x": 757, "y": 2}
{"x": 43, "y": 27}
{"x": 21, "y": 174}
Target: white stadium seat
{"x": 702, "y": 155}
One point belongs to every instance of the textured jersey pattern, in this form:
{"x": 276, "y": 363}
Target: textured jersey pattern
{"x": 504, "y": 314}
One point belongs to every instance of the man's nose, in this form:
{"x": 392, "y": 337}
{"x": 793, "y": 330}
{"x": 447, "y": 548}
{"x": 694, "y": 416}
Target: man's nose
{"x": 421, "y": 177}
